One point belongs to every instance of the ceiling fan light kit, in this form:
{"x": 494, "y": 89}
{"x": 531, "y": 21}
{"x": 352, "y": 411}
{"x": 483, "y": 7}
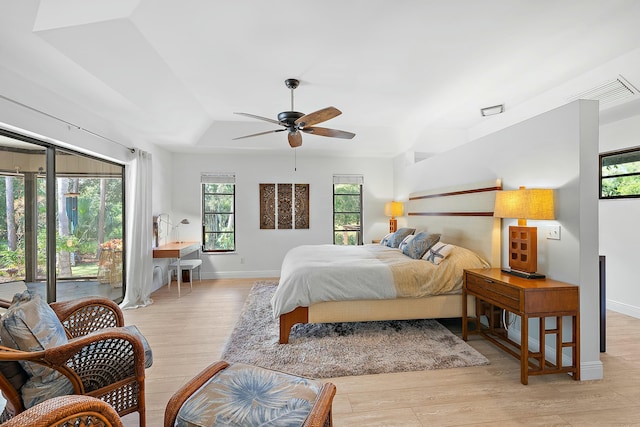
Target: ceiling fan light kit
{"x": 295, "y": 122}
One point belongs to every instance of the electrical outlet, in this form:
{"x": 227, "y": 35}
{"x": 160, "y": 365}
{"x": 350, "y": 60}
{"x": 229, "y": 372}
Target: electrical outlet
{"x": 553, "y": 232}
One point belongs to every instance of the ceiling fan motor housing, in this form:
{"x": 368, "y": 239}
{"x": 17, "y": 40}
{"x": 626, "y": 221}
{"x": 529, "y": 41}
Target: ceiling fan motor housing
{"x": 288, "y": 118}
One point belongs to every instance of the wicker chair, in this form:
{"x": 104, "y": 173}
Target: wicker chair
{"x": 101, "y": 359}
{"x": 65, "y": 411}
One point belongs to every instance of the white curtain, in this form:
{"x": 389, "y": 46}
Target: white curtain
{"x": 139, "y": 232}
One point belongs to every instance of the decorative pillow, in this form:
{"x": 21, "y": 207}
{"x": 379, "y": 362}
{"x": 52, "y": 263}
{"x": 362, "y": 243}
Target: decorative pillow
{"x": 406, "y": 241}
{"x": 398, "y": 236}
{"x": 385, "y": 239}
{"x": 438, "y": 252}
{"x": 31, "y": 325}
{"x": 148, "y": 354}
{"x": 420, "y": 244}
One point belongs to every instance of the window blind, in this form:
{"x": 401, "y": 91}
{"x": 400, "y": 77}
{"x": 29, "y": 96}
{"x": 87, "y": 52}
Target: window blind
{"x": 217, "y": 178}
{"x": 348, "y": 179}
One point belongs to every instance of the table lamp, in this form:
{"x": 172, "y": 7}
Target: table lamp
{"x": 393, "y": 209}
{"x": 177, "y": 227}
{"x": 524, "y": 204}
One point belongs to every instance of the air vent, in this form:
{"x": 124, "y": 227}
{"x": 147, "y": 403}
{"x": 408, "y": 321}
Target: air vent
{"x": 613, "y": 91}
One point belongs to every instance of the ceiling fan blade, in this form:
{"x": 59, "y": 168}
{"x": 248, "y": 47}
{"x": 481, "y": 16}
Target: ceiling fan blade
{"x": 317, "y": 117}
{"x": 258, "y": 134}
{"x": 295, "y": 139}
{"x": 333, "y": 133}
{"x": 266, "y": 119}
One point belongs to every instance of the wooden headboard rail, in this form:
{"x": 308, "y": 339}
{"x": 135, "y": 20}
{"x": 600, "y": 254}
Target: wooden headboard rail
{"x": 496, "y": 187}
{"x": 463, "y": 215}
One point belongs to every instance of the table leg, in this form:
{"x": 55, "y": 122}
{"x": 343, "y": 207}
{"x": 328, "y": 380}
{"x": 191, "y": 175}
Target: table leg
{"x": 524, "y": 347}
{"x": 179, "y": 274}
{"x": 465, "y": 326}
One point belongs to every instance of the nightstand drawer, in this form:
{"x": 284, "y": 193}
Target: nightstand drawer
{"x": 490, "y": 290}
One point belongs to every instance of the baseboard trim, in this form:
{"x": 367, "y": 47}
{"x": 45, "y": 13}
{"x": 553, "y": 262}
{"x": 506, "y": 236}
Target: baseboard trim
{"x": 623, "y": 308}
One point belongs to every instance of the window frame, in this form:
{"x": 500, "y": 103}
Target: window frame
{"x": 355, "y": 180}
{"x": 228, "y": 179}
{"x": 601, "y": 178}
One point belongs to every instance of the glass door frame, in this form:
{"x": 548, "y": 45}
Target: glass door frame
{"x": 51, "y": 211}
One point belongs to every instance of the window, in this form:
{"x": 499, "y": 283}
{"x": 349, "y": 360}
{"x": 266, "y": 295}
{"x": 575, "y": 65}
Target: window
{"x": 61, "y": 221}
{"x": 620, "y": 174}
{"x": 218, "y": 212}
{"x": 347, "y": 209}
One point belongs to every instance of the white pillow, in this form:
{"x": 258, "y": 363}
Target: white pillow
{"x": 406, "y": 241}
{"x": 438, "y": 252}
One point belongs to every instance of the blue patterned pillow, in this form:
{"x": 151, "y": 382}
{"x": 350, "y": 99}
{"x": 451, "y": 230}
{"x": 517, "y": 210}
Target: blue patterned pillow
{"x": 31, "y": 325}
{"x": 399, "y": 236}
{"x": 420, "y": 244}
{"x": 385, "y": 239}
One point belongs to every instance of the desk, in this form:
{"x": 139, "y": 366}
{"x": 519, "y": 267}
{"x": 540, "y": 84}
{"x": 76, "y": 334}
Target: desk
{"x": 528, "y": 298}
{"x": 176, "y": 250}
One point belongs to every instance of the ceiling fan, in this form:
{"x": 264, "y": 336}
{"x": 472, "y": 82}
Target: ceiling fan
{"x": 295, "y": 122}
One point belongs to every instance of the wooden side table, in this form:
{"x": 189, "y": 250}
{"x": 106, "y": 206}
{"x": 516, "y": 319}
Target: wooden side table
{"x": 527, "y": 298}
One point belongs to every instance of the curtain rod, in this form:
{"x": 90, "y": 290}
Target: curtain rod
{"x": 133, "y": 150}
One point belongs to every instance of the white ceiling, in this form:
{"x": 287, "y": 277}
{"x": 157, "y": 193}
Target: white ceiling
{"x": 407, "y": 75}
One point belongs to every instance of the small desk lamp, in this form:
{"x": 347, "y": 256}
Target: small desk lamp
{"x": 177, "y": 227}
{"x": 524, "y": 204}
{"x": 393, "y": 209}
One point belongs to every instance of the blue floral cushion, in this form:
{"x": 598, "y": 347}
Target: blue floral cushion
{"x": 245, "y": 395}
{"x": 420, "y": 244}
{"x": 29, "y": 324}
{"x": 398, "y": 236}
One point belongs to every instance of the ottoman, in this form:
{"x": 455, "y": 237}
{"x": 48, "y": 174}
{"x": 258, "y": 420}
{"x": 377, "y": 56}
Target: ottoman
{"x": 237, "y": 394}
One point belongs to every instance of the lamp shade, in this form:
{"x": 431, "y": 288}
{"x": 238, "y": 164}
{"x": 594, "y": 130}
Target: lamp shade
{"x": 393, "y": 209}
{"x": 535, "y": 203}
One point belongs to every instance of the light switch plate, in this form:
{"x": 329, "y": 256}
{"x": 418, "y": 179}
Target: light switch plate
{"x": 553, "y": 232}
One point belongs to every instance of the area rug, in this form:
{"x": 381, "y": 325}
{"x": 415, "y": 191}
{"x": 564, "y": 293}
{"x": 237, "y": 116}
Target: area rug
{"x": 343, "y": 349}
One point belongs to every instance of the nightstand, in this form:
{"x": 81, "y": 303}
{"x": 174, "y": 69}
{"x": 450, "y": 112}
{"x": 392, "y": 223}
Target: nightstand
{"x": 376, "y": 241}
{"x": 527, "y": 298}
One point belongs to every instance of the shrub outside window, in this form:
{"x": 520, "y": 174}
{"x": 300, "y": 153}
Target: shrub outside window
{"x": 347, "y": 209}
{"x": 218, "y": 212}
{"x": 620, "y": 174}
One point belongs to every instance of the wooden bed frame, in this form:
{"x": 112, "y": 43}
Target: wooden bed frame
{"x": 464, "y": 217}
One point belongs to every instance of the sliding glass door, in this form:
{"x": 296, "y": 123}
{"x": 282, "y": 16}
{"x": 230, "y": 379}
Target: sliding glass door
{"x": 61, "y": 221}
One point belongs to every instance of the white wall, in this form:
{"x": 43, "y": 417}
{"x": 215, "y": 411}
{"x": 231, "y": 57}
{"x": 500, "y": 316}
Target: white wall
{"x": 557, "y": 149}
{"x": 619, "y": 230}
{"x": 259, "y": 253}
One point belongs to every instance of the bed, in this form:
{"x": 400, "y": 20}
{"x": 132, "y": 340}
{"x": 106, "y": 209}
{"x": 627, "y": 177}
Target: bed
{"x": 332, "y": 283}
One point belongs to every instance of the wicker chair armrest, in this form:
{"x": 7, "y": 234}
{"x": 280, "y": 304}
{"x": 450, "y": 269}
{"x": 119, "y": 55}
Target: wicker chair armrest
{"x": 98, "y": 359}
{"x": 321, "y": 413}
{"x": 91, "y": 362}
{"x": 4, "y": 303}
{"x": 180, "y": 396}
{"x": 85, "y": 315}
{"x": 67, "y": 410}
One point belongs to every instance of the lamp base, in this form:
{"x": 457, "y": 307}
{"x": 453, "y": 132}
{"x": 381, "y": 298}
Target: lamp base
{"x": 523, "y": 274}
{"x": 393, "y": 225}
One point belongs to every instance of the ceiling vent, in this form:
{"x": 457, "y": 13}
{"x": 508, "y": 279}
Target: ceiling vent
{"x": 612, "y": 91}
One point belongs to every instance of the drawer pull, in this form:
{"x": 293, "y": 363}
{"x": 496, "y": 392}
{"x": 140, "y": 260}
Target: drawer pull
{"x": 488, "y": 280}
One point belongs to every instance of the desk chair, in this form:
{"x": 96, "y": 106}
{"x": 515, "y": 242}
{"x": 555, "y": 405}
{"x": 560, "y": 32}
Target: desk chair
{"x": 185, "y": 265}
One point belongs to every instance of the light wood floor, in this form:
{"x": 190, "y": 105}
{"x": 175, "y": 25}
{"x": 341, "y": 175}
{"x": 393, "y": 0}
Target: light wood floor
{"x": 187, "y": 334}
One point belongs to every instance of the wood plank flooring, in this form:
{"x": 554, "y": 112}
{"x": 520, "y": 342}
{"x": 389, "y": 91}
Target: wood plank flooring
{"x": 188, "y": 333}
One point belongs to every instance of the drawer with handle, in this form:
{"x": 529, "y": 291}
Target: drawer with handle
{"x": 493, "y": 291}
